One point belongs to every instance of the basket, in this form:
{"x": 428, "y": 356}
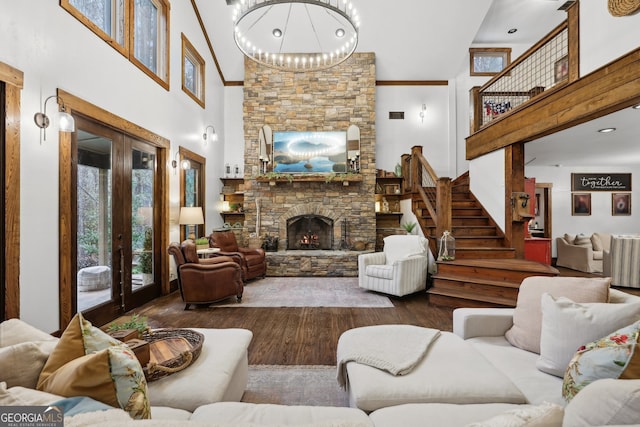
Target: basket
{"x": 623, "y": 7}
{"x": 172, "y": 350}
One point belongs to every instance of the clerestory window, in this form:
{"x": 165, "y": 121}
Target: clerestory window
{"x": 193, "y": 68}
{"x": 138, "y": 29}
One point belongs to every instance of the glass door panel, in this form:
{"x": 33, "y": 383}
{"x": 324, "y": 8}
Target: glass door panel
{"x": 93, "y": 221}
{"x": 143, "y": 166}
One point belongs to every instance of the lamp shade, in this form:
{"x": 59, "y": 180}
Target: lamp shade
{"x": 191, "y": 216}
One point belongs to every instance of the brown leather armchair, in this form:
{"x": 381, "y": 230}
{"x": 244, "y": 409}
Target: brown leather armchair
{"x": 252, "y": 261}
{"x": 204, "y": 281}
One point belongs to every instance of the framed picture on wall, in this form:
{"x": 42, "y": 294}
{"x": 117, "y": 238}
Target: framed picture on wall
{"x": 561, "y": 69}
{"x": 581, "y": 204}
{"x": 620, "y": 204}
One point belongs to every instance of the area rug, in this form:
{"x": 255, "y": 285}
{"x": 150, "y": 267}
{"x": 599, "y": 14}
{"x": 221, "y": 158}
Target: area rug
{"x": 308, "y": 292}
{"x": 311, "y": 385}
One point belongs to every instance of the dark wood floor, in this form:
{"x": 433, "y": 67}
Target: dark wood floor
{"x": 295, "y": 336}
{"x": 300, "y": 336}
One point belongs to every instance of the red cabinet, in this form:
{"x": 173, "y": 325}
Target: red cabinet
{"x": 538, "y": 249}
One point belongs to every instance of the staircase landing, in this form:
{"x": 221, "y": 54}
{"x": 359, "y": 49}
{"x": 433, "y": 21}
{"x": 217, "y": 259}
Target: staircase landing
{"x": 483, "y": 282}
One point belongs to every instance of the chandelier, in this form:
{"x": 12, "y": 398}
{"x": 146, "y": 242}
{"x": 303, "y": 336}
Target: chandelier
{"x": 296, "y": 35}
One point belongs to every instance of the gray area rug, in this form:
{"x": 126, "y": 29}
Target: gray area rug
{"x": 311, "y": 385}
{"x": 307, "y": 292}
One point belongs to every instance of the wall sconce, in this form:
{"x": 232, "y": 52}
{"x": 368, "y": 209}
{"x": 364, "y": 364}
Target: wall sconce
{"x": 65, "y": 121}
{"x": 209, "y": 133}
{"x": 184, "y": 164}
{"x": 422, "y": 110}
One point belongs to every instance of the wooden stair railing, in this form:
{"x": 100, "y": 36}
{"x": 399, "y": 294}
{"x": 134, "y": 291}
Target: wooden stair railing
{"x": 485, "y": 271}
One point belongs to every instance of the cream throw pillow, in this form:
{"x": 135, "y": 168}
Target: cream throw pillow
{"x": 527, "y": 316}
{"x": 605, "y": 402}
{"x": 16, "y": 331}
{"x": 567, "y": 325}
{"x": 22, "y": 396}
{"x": 543, "y": 415}
{"x": 21, "y": 364}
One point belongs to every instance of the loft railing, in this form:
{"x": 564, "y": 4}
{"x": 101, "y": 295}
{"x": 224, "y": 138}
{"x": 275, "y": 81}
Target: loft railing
{"x": 433, "y": 191}
{"x": 544, "y": 66}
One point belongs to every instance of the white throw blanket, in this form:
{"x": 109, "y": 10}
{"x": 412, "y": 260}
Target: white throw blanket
{"x": 396, "y": 349}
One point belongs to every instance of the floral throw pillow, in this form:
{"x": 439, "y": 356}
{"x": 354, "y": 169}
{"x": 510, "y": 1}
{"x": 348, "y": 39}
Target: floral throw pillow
{"x": 615, "y": 356}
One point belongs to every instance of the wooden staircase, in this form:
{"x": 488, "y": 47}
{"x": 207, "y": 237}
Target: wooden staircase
{"x": 485, "y": 272}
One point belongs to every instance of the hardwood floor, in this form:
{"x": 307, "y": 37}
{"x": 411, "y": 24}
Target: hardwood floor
{"x": 302, "y": 336}
{"x": 297, "y": 335}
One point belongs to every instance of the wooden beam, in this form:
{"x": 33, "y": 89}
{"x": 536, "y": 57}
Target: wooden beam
{"x": 610, "y": 88}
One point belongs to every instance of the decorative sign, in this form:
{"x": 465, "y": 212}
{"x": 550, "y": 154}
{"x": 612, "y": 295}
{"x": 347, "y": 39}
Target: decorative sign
{"x": 600, "y": 182}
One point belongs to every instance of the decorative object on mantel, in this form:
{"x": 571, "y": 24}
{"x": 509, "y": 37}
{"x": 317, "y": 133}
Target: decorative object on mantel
{"x": 623, "y": 7}
{"x": 325, "y": 34}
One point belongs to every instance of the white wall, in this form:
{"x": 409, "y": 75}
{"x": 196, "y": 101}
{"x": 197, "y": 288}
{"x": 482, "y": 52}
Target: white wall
{"x": 54, "y": 50}
{"x": 603, "y": 36}
{"x": 396, "y": 137}
{"x": 600, "y": 219}
{"x": 486, "y": 177}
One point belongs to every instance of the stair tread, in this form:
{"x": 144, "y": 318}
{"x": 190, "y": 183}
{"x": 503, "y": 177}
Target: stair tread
{"x": 473, "y": 297}
{"x": 507, "y": 264}
{"x": 476, "y": 279}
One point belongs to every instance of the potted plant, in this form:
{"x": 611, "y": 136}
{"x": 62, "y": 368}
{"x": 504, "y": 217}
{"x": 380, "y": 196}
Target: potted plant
{"x": 202, "y": 243}
{"x": 409, "y": 226}
{"x": 122, "y": 329}
{"x": 145, "y": 259}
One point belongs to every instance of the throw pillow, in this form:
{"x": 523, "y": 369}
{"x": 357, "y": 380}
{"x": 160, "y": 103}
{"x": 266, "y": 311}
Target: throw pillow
{"x": 569, "y": 238}
{"x": 527, "y": 316}
{"x": 16, "y": 331}
{"x": 26, "y": 361}
{"x": 582, "y": 240}
{"x": 596, "y": 242}
{"x": 567, "y": 325}
{"x": 605, "y": 402}
{"x": 88, "y": 362}
{"x": 544, "y": 415}
{"x": 23, "y": 396}
{"x": 614, "y": 356}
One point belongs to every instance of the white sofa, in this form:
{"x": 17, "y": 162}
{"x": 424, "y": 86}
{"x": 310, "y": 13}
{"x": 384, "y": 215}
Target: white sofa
{"x": 393, "y": 401}
{"x": 582, "y": 253}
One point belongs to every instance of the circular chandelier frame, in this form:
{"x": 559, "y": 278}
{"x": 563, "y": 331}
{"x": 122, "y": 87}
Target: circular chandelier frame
{"x": 291, "y": 61}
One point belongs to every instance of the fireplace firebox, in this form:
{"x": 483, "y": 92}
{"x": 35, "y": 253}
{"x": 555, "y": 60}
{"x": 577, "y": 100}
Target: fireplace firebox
{"x": 309, "y": 232}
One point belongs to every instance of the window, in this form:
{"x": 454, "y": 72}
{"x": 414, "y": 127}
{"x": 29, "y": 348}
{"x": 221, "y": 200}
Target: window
{"x": 192, "y": 72}
{"x": 139, "y": 29}
{"x": 488, "y": 61}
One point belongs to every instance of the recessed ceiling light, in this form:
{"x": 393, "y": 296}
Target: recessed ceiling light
{"x": 340, "y": 33}
{"x": 636, "y": 107}
{"x": 607, "y": 130}
{"x": 512, "y": 30}
{"x": 277, "y": 33}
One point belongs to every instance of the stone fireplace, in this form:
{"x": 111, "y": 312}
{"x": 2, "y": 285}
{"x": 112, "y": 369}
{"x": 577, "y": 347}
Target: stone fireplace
{"x": 309, "y": 232}
{"x": 323, "y": 210}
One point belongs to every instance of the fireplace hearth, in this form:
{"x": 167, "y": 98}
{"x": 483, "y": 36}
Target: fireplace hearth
{"x": 308, "y": 232}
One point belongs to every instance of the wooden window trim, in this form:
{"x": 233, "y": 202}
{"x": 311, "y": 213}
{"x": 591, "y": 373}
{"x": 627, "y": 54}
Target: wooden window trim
{"x": 492, "y": 51}
{"x": 190, "y": 52}
{"x": 126, "y": 49}
{"x": 13, "y": 82}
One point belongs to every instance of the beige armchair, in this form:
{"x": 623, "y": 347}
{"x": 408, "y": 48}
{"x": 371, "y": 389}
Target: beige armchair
{"x": 582, "y": 253}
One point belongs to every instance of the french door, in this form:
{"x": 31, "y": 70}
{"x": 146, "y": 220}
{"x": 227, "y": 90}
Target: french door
{"x": 117, "y": 262}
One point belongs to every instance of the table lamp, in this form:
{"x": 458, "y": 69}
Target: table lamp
{"x": 191, "y": 216}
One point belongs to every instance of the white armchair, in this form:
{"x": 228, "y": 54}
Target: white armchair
{"x": 400, "y": 269}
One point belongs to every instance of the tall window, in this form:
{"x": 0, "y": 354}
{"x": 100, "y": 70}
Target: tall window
{"x": 139, "y": 29}
{"x": 192, "y": 186}
{"x": 192, "y": 72}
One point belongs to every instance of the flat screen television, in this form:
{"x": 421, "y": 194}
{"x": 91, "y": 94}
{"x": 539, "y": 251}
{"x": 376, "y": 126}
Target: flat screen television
{"x": 310, "y": 152}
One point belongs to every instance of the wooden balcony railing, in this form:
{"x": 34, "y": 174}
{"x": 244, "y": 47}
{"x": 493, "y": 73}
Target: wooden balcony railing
{"x": 545, "y": 66}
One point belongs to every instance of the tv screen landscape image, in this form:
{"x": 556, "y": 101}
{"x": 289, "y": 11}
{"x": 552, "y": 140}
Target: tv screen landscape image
{"x": 310, "y": 152}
